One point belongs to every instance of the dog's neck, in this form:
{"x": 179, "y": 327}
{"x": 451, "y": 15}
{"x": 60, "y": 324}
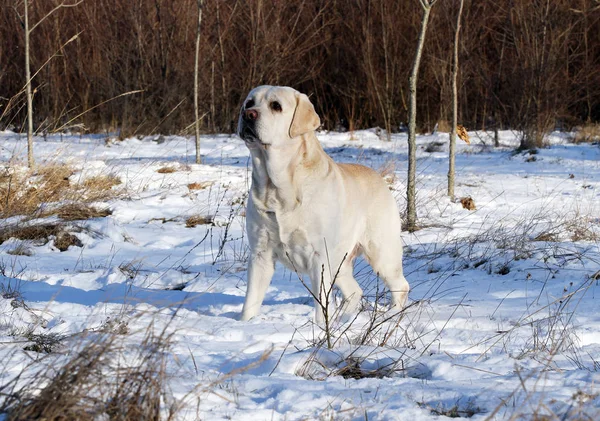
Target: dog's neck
{"x": 276, "y": 169}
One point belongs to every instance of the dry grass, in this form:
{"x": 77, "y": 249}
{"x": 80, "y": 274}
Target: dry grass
{"x": 40, "y": 234}
{"x": 200, "y": 185}
{"x": 195, "y": 220}
{"x": 77, "y": 212}
{"x": 34, "y": 233}
{"x": 587, "y": 134}
{"x": 64, "y": 240}
{"x": 166, "y": 170}
{"x": 22, "y": 193}
{"x": 28, "y": 193}
{"x": 96, "y": 382}
{"x": 101, "y": 183}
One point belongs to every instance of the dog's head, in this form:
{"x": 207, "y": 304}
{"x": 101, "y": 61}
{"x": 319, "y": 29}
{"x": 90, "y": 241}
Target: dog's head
{"x": 274, "y": 115}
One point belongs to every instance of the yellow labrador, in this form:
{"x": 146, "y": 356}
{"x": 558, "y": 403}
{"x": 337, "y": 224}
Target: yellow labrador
{"x": 309, "y": 213}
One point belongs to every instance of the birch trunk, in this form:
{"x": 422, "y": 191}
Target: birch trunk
{"x": 452, "y": 146}
{"x": 196, "y": 70}
{"x": 29, "y": 95}
{"x": 411, "y": 210}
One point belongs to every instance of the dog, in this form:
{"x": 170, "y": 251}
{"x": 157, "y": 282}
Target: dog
{"x": 309, "y": 213}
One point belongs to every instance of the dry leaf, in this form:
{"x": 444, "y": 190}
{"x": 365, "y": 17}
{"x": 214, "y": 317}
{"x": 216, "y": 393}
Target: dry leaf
{"x": 462, "y": 133}
{"x": 468, "y": 203}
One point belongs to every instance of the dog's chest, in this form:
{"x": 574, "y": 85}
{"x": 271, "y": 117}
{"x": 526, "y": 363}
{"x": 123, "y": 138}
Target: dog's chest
{"x": 287, "y": 232}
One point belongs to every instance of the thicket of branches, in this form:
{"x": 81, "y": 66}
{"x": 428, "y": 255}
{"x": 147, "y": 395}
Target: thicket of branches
{"x": 525, "y": 64}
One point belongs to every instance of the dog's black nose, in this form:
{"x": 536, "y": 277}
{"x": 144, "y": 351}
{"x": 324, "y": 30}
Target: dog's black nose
{"x": 250, "y": 115}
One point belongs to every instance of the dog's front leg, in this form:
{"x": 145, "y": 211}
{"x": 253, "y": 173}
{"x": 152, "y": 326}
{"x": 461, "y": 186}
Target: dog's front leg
{"x": 260, "y": 272}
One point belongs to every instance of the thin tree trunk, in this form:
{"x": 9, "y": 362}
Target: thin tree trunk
{"x": 496, "y": 132}
{"x": 196, "y": 65}
{"x": 411, "y": 210}
{"x": 224, "y": 99}
{"x": 451, "y": 164}
{"x": 30, "y": 160}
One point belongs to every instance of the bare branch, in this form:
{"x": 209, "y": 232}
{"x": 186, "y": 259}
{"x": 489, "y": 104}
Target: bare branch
{"x": 60, "y": 6}
{"x": 96, "y": 106}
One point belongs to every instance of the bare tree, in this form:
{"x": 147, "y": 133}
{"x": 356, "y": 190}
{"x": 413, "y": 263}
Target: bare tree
{"x": 30, "y": 160}
{"x": 452, "y": 145}
{"x": 200, "y": 4}
{"x": 352, "y": 56}
{"x": 28, "y": 78}
{"x": 411, "y": 209}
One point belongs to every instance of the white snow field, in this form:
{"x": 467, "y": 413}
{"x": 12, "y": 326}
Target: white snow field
{"x": 504, "y": 314}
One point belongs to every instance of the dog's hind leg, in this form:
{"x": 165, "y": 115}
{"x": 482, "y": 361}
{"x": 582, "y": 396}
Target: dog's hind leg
{"x": 260, "y": 272}
{"x": 386, "y": 261}
{"x": 351, "y": 291}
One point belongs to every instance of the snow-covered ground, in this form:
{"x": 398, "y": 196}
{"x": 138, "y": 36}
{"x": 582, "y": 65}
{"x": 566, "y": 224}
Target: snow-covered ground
{"x": 503, "y": 318}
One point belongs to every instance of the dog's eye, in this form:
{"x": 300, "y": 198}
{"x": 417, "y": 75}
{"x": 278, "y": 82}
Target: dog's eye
{"x": 250, "y": 103}
{"x": 275, "y": 106}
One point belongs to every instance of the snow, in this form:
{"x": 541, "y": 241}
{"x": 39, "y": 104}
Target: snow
{"x": 500, "y": 321}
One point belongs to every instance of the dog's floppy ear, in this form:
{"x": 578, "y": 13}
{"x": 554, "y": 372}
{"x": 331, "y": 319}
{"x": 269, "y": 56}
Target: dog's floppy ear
{"x": 305, "y": 118}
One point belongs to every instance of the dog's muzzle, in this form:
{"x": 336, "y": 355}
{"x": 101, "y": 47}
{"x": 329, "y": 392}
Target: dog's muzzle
{"x": 248, "y": 128}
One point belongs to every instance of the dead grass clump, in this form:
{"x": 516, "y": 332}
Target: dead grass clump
{"x": 42, "y": 343}
{"x": 64, "y": 240}
{"x": 96, "y": 383}
{"x": 55, "y": 174}
{"x": 166, "y": 170}
{"x": 548, "y": 237}
{"x": 353, "y": 369}
{"x": 195, "y": 220}
{"x": 40, "y": 234}
{"x": 27, "y": 193}
{"x": 21, "y": 193}
{"x": 459, "y": 410}
{"x": 201, "y": 185}
{"x": 34, "y": 233}
{"x": 580, "y": 228}
{"x": 589, "y": 133}
{"x": 101, "y": 183}
{"x": 80, "y": 211}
